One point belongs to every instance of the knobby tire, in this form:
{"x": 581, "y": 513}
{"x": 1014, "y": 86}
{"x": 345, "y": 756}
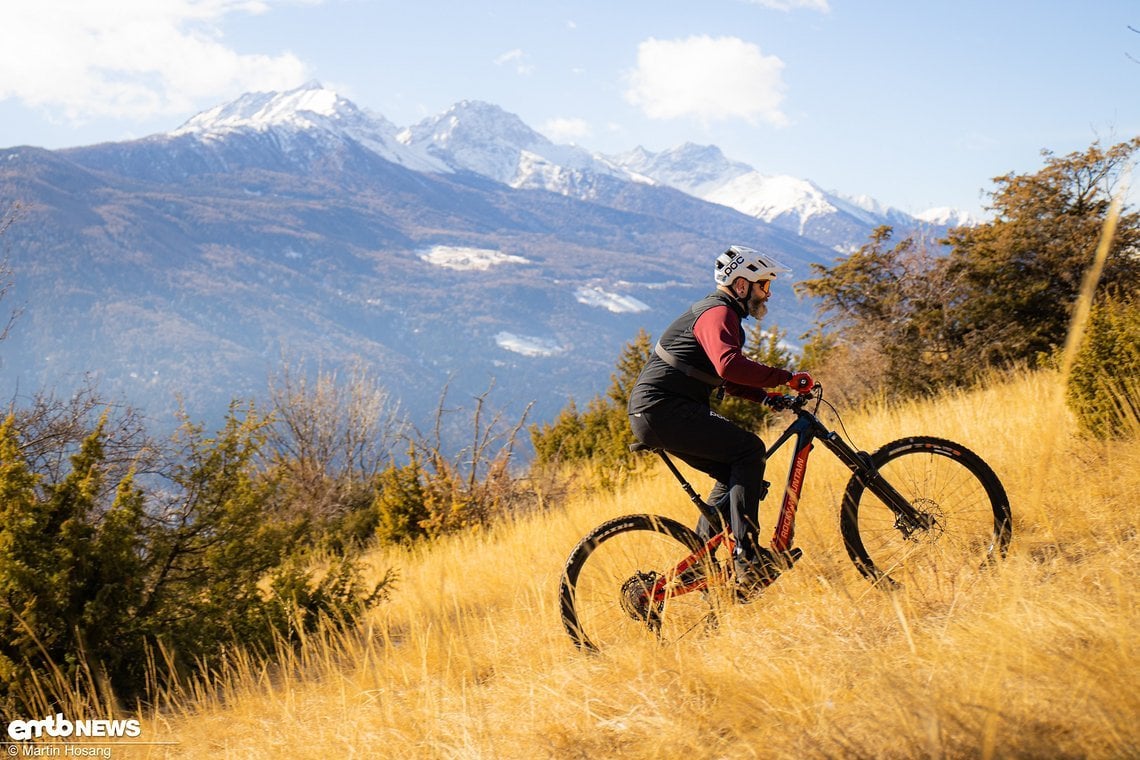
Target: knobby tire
{"x": 971, "y": 523}
{"x": 606, "y": 573}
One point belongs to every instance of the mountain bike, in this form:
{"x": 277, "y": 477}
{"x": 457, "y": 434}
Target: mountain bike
{"x": 916, "y": 510}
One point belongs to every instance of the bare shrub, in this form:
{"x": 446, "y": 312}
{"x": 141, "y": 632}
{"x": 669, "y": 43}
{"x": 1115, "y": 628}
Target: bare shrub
{"x": 438, "y": 493}
{"x": 329, "y": 436}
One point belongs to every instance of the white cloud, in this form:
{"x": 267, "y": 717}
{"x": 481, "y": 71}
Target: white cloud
{"x": 565, "y": 130}
{"x": 82, "y": 59}
{"x": 709, "y": 78}
{"x": 518, "y": 58}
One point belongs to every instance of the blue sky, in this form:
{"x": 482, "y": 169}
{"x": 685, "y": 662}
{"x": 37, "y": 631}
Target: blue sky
{"x": 917, "y": 104}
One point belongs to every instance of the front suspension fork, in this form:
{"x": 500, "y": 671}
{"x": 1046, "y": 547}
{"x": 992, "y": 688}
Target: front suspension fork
{"x": 908, "y": 520}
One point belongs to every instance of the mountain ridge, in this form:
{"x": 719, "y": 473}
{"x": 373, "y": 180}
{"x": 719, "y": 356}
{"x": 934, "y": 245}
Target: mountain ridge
{"x": 187, "y": 265}
{"x": 499, "y": 145}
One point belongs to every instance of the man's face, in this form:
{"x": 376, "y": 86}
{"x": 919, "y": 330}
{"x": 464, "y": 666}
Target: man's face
{"x": 758, "y": 294}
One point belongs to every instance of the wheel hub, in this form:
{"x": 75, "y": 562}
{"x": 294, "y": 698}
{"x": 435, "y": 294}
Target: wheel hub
{"x": 931, "y": 519}
{"x": 635, "y": 592}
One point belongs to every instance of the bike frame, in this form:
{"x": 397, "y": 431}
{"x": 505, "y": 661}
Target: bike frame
{"x": 805, "y": 429}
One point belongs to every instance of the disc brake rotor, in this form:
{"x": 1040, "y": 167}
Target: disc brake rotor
{"x": 932, "y": 514}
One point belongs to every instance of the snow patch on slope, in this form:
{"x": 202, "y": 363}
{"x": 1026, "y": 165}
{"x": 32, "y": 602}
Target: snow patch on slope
{"x": 528, "y": 345}
{"x": 615, "y": 302}
{"x": 479, "y": 259}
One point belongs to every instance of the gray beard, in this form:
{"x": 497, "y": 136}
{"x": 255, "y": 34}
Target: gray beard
{"x": 757, "y": 308}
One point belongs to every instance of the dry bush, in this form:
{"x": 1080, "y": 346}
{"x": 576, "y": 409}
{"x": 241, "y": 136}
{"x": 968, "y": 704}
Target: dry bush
{"x": 331, "y": 434}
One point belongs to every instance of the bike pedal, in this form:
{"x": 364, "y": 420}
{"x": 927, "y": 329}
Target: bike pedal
{"x": 753, "y": 579}
{"x": 792, "y": 556}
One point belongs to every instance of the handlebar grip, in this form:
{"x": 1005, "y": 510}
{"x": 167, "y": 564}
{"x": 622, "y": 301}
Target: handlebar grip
{"x": 802, "y": 385}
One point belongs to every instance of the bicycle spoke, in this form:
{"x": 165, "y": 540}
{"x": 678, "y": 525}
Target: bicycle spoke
{"x": 960, "y": 506}
{"x": 623, "y": 587}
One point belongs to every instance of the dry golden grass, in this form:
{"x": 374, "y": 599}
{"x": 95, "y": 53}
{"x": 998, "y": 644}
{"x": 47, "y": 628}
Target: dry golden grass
{"x": 469, "y": 660}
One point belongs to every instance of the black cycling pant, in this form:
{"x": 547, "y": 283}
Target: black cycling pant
{"x": 732, "y": 456}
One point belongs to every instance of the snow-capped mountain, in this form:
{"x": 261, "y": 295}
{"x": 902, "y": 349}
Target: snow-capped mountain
{"x": 462, "y": 249}
{"x": 298, "y": 116}
{"x": 945, "y": 216}
{"x": 798, "y": 205}
{"x": 483, "y": 138}
{"x": 693, "y": 169}
{"x": 186, "y": 265}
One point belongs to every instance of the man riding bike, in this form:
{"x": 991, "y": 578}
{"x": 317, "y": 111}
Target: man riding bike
{"x": 669, "y": 408}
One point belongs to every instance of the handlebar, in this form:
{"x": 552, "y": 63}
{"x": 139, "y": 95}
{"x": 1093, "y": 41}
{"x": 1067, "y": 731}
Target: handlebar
{"x": 781, "y": 402}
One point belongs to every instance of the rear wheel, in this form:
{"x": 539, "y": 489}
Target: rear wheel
{"x": 622, "y": 583}
{"x": 960, "y": 501}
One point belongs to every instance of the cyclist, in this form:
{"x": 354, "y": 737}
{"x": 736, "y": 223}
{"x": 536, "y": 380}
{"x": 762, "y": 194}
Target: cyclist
{"x": 669, "y": 407}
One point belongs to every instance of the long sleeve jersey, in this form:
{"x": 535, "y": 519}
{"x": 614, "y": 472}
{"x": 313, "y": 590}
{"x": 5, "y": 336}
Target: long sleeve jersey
{"x": 709, "y": 337}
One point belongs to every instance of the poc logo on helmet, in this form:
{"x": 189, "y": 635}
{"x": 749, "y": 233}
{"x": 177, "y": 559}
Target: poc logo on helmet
{"x": 732, "y": 267}
{"x": 739, "y": 261}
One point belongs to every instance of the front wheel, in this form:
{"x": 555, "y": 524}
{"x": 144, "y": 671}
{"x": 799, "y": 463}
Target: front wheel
{"x": 636, "y": 577}
{"x": 964, "y": 518}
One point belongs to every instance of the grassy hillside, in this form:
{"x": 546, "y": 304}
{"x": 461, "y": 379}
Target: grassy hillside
{"x": 468, "y": 660}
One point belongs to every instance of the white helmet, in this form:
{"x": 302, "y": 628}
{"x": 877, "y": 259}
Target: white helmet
{"x": 752, "y": 265}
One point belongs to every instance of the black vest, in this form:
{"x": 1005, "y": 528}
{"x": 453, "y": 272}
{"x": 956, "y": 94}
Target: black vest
{"x": 659, "y": 381}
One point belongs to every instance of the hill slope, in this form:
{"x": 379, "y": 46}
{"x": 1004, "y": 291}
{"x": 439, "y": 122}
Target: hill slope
{"x": 468, "y": 659}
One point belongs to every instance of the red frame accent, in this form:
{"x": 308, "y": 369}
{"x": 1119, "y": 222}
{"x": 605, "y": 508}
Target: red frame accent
{"x": 658, "y": 591}
{"x": 786, "y": 523}
{"x": 781, "y": 538}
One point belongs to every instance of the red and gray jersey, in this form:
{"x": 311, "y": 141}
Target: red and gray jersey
{"x": 701, "y": 350}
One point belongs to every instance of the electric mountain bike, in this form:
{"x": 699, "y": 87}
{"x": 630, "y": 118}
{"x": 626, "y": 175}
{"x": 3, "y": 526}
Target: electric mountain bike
{"x": 916, "y": 509}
